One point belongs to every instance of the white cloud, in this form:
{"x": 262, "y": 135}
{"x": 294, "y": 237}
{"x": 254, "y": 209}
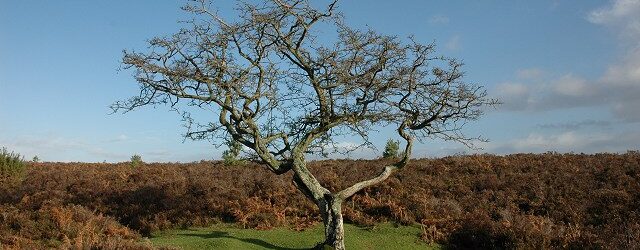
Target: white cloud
{"x": 622, "y": 79}
{"x": 617, "y": 88}
{"x": 55, "y": 148}
{"x": 513, "y": 89}
{"x": 626, "y": 72}
{"x": 620, "y": 9}
{"x": 571, "y": 85}
{"x": 568, "y": 91}
{"x": 66, "y": 149}
{"x": 514, "y": 96}
{"x": 621, "y": 15}
{"x": 453, "y": 43}
{"x": 439, "y": 19}
{"x": 119, "y": 138}
{"x": 569, "y": 141}
{"x": 628, "y": 111}
{"x": 576, "y": 125}
{"x": 530, "y": 74}
{"x": 535, "y": 142}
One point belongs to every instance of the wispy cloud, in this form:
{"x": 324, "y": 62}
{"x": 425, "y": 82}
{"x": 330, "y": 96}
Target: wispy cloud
{"x": 49, "y": 147}
{"x": 530, "y": 74}
{"x": 60, "y": 148}
{"x": 570, "y": 85}
{"x": 119, "y": 138}
{"x": 514, "y": 95}
{"x": 454, "y": 43}
{"x": 438, "y": 19}
{"x": 575, "y": 125}
{"x": 623, "y": 15}
{"x": 567, "y": 91}
{"x": 569, "y": 141}
{"x": 618, "y": 88}
{"x": 571, "y": 91}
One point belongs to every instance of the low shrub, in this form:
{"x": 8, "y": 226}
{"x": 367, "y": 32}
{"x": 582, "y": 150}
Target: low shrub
{"x": 529, "y": 201}
{"x": 11, "y": 164}
{"x": 63, "y": 227}
{"x": 231, "y": 156}
{"x": 391, "y": 149}
{"x": 136, "y": 160}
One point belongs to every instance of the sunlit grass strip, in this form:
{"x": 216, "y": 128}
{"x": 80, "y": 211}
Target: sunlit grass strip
{"x": 229, "y": 236}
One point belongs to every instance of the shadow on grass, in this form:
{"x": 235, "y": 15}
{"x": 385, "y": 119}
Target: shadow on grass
{"x": 258, "y": 242}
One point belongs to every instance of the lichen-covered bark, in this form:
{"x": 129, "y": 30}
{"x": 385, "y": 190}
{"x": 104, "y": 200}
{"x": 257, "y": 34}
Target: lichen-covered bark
{"x": 330, "y": 204}
{"x": 331, "y": 210}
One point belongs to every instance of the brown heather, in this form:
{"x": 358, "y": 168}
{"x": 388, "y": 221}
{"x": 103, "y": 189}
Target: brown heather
{"x": 522, "y": 201}
{"x": 63, "y": 227}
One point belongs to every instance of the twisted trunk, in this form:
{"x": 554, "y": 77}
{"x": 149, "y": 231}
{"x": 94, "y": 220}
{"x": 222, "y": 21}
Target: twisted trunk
{"x": 331, "y": 211}
{"x": 330, "y": 207}
{"x": 329, "y": 203}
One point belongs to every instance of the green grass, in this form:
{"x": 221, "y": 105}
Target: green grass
{"x": 228, "y": 236}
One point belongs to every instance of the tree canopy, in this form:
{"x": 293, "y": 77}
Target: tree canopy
{"x": 276, "y": 86}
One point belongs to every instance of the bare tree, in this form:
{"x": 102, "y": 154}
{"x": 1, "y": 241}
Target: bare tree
{"x": 284, "y": 93}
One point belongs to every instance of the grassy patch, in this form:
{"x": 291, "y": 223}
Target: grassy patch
{"x": 228, "y": 236}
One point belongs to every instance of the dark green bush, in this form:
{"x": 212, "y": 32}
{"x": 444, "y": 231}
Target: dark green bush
{"x": 231, "y": 155}
{"x": 136, "y": 160}
{"x": 391, "y": 149}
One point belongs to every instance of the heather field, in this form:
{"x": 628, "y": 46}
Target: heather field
{"x": 521, "y": 201}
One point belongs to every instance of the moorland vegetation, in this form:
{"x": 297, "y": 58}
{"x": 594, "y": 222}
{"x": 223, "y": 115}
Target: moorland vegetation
{"x": 477, "y": 201}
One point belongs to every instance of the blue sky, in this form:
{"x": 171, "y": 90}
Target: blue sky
{"x": 568, "y": 73}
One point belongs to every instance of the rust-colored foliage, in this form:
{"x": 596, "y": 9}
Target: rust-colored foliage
{"x": 479, "y": 201}
{"x": 63, "y": 227}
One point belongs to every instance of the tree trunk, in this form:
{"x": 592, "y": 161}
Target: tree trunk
{"x": 331, "y": 211}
